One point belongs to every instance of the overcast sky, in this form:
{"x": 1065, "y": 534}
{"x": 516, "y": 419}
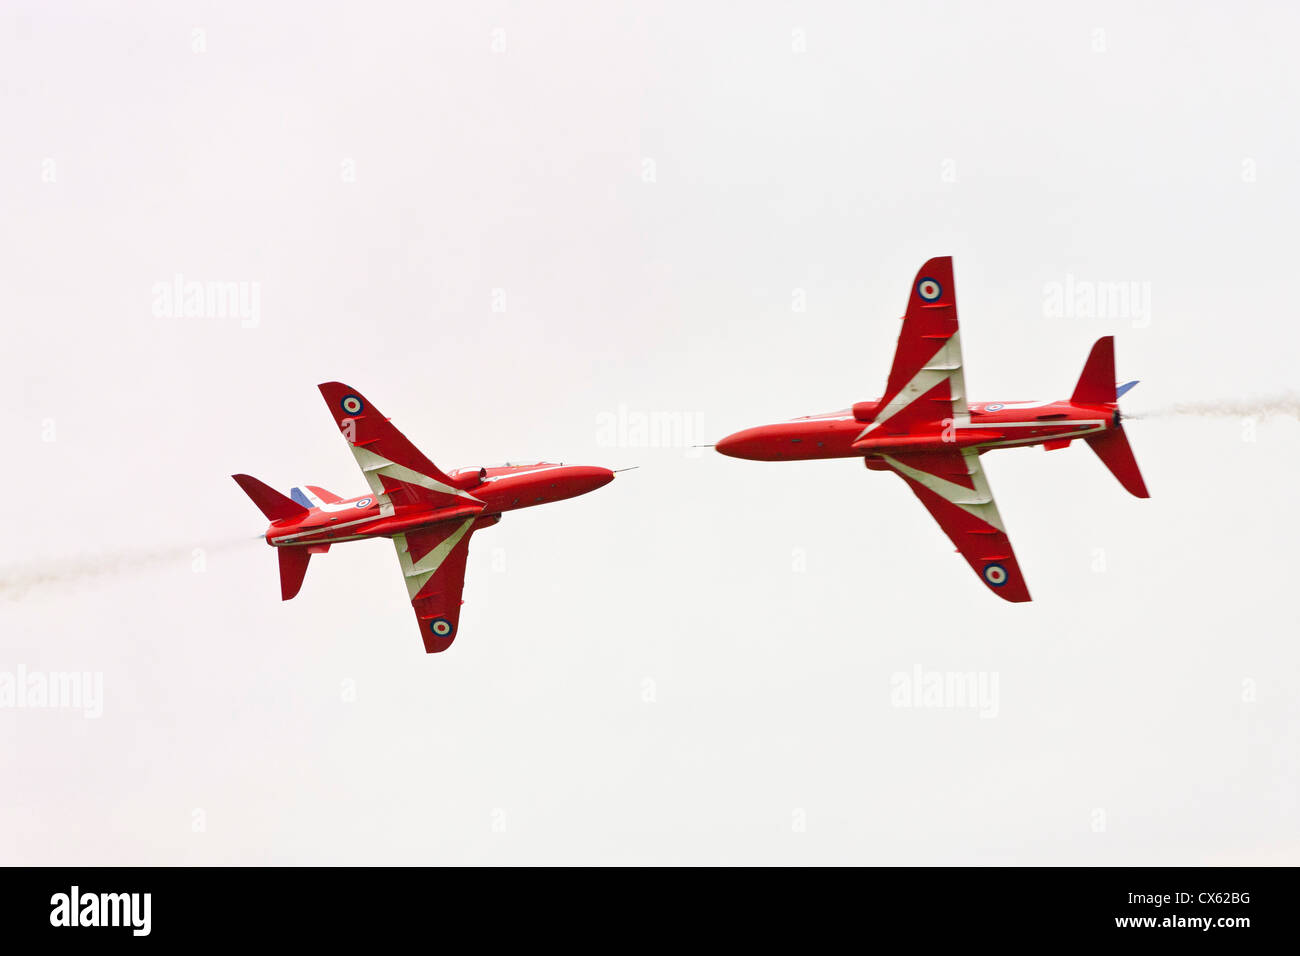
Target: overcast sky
{"x": 537, "y": 230}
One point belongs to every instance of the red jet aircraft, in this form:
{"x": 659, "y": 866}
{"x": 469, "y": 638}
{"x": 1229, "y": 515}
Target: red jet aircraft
{"x": 924, "y": 430}
{"x": 429, "y": 514}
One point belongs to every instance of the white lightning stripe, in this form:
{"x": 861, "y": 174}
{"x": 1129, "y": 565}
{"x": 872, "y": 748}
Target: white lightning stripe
{"x": 1017, "y": 405}
{"x": 417, "y": 573}
{"x": 514, "y": 474}
{"x": 977, "y": 501}
{"x": 1043, "y": 423}
{"x": 323, "y": 529}
{"x": 945, "y": 364}
{"x": 386, "y": 508}
{"x": 372, "y": 466}
{"x": 337, "y": 506}
{"x": 1040, "y": 439}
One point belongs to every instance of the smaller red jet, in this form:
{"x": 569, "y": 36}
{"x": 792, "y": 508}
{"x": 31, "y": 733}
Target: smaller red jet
{"x": 924, "y": 430}
{"x": 429, "y": 514}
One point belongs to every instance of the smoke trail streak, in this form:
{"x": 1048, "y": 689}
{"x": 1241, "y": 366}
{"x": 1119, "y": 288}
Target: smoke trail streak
{"x": 16, "y": 581}
{"x": 1267, "y": 407}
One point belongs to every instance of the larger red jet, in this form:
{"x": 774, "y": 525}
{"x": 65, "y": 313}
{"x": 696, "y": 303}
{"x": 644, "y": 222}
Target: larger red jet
{"x": 429, "y": 514}
{"x": 924, "y": 430}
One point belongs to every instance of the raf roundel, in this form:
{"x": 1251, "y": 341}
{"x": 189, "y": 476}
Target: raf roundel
{"x": 996, "y": 575}
{"x": 363, "y": 503}
{"x": 929, "y": 290}
{"x": 351, "y": 404}
{"x": 441, "y": 627}
{"x": 995, "y": 407}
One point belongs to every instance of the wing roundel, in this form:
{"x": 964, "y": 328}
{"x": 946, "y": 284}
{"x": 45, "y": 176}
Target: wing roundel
{"x": 953, "y": 488}
{"x": 433, "y": 564}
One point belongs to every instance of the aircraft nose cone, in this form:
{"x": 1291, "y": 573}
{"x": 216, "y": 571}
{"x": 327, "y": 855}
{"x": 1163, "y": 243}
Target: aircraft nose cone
{"x": 736, "y": 445}
{"x": 591, "y": 477}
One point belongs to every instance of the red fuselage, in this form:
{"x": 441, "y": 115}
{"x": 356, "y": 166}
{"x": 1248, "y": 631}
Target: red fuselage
{"x": 505, "y": 488}
{"x": 847, "y": 433}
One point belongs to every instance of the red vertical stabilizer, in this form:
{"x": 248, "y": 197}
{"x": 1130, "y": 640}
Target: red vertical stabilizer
{"x": 1097, "y": 383}
{"x": 293, "y": 568}
{"x": 1113, "y": 449}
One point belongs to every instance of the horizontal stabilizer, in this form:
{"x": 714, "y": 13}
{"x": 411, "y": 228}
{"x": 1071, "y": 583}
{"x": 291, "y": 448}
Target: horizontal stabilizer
{"x": 1121, "y": 390}
{"x": 274, "y": 505}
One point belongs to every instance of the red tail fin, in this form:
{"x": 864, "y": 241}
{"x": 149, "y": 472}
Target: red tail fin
{"x": 293, "y": 568}
{"x": 1113, "y": 449}
{"x": 274, "y": 505}
{"x": 1097, "y": 383}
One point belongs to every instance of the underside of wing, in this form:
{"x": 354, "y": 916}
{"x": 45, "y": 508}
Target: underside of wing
{"x": 398, "y": 473}
{"x": 926, "y": 383}
{"x": 953, "y": 488}
{"x": 433, "y": 563}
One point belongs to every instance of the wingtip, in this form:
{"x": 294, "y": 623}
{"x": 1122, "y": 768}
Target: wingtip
{"x": 1018, "y": 595}
{"x": 937, "y": 262}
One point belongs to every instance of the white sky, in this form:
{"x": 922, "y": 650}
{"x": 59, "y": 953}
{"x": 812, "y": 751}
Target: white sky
{"x": 1154, "y": 701}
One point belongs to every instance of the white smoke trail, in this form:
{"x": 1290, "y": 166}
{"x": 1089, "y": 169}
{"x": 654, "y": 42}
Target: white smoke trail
{"x": 16, "y": 581}
{"x": 1266, "y": 407}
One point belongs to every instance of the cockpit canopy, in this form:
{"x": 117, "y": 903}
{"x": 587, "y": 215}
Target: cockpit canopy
{"x": 467, "y": 478}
